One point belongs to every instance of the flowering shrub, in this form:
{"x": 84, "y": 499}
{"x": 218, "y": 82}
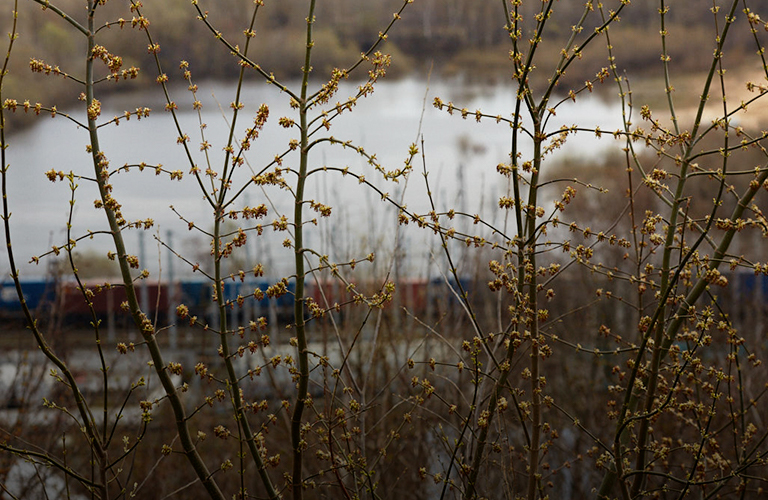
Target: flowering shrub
{"x": 593, "y": 354}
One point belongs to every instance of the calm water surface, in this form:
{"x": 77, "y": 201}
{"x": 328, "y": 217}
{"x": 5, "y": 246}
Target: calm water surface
{"x": 460, "y": 157}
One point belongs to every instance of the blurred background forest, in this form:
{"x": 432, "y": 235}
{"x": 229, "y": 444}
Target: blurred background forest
{"x": 454, "y": 37}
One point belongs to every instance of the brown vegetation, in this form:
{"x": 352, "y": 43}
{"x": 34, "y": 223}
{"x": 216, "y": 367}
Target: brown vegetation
{"x": 604, "y": 340}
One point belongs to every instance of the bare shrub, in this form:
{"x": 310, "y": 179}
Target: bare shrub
{"x": 585, "y": 336}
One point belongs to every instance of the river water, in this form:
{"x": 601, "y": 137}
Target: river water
{"x": 460, "y": 157}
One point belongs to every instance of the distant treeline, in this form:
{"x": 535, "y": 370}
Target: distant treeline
{"x": 457, "y": 36}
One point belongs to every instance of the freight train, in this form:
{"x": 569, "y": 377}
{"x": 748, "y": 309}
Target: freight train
{"x": 428, "y": 299}
{"x": 48, "y": 298}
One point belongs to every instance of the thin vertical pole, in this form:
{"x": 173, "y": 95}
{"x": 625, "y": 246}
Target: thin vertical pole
{"x": 172, "y": 295}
